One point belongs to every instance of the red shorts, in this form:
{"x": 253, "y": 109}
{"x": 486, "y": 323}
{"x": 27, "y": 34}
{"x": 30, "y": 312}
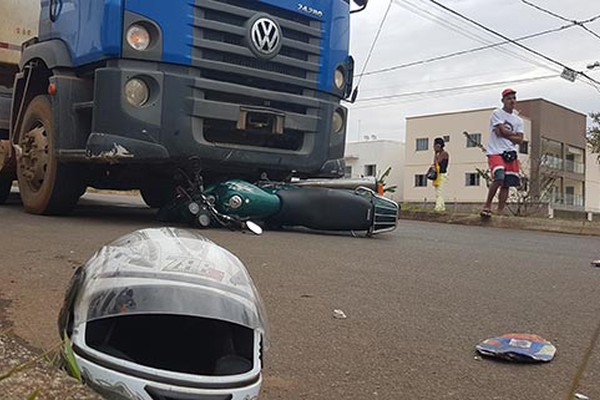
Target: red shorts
{"x": 505, "y": 172}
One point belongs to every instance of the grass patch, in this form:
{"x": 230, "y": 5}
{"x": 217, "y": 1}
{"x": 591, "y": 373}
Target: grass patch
{"x": 60, "y": 356}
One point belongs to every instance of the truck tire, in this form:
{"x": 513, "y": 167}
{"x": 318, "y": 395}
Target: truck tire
{"x": 5, "y": 185}
{"x": 157, "y": 196}
{"x": 46, "y": 186}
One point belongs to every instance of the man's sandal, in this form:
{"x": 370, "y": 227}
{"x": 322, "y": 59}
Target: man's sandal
{"x": 485, "y": 213}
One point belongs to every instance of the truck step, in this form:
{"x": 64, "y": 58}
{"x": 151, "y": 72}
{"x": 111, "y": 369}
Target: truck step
{"x": 72, "y": 155}
{"x": 84, "y": 105}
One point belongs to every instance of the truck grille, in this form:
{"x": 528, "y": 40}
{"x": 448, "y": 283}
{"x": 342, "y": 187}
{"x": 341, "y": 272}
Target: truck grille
{"x": 220, "y": 48}
{"x": 285, "y": 83}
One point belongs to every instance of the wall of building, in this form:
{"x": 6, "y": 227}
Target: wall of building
{"x": 381, "y": 154}
{"x": 592, "y": 182}
{"x": 558, "y": 138}
{"x": 463, "y": 160}
{"x": 555, "y": 122}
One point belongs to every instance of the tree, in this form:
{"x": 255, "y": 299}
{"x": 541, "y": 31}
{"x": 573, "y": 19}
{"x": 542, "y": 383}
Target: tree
{"x": 527, "y": 199}
{"x": 530, "y": 199}
{"x": 382, "y": 180}
{"x": 593, "y": 133}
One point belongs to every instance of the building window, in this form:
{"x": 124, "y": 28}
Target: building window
{"x": 552, "y": 154}
{"x": 472, "y": 179}
{"x": 570, "y": 195}
{"x": 348, "y": 171}
{"x": 420, "y": 181}
{"x": 474, "y": 140}
{"x": 575, "y": 160}
{"x": 524, "y": 147}
{"x": 371, "y": 170}
{"x": 446, "y": 138}
{"x": 423, "y": 144}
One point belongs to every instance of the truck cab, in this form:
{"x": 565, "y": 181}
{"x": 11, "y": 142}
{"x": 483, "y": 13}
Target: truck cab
{"x": 120, "y": 94}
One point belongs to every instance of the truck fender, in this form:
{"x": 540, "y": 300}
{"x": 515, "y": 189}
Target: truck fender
{"x": 37, "y": 62}
{"x": 54, "y": 53}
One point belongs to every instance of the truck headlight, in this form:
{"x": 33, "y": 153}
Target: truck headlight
{"x": 339, "y": 78}
{"x": 138, "y": 37}
{"x": 137, "y": 92}
{"x": 338, "y": 121}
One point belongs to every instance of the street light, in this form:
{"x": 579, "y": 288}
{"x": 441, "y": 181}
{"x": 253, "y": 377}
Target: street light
{"x": 593, "y": 65}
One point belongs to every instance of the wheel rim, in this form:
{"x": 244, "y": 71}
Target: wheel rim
{"x": 35, "y": 159}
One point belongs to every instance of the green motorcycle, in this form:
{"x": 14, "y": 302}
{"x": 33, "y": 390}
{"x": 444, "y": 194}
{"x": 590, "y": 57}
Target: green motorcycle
{"x": 238, "y": 204}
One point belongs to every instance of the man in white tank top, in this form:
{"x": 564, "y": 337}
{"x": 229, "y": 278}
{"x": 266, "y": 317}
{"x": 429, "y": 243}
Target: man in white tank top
{"x": 506, "y": 131}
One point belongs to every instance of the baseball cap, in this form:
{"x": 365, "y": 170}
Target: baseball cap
{"x": 506, "y": 92}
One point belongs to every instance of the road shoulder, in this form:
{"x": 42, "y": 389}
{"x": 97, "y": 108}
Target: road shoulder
{"x": 574, "y": 227}
{"x": 34, "y": 372}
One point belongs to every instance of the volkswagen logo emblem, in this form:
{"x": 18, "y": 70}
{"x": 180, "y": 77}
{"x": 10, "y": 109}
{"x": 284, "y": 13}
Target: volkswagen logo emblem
{"x": 264, "y": 36}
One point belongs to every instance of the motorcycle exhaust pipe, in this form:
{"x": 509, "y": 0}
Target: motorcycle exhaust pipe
{"x": 349, "y": 184}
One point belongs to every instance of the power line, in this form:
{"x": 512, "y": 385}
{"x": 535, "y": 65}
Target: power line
{"x": 555, "y": 15}
{"x": 422, "y": 96}
{"x": 537, "y": 53}
{"x": 449, "y": 24}
{"x": 457, "y": 80}
{"x": 546, "y": 11}
{"x": 476, "y": 87}
{"x": 463, "y": 52}
{"x": 460, "y": 29}
{"x": 500, "y": 49}
{"x": 591, "y": 32}
{"x": 456, "y": 88}
{"x": 387, "y": 11}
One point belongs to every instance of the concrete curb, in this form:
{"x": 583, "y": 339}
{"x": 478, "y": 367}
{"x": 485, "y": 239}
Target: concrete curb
{"x": 38, "y": 375}
{"x": 509, "y": 222}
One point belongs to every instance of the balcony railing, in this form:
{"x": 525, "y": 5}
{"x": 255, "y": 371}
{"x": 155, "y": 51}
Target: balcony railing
{"x": 574, "y": 166}
{"x": 568, "y": 201}
{"x": 553, "y": 162}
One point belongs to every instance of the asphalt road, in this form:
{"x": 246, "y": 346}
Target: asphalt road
{"x": 417, "y": 300}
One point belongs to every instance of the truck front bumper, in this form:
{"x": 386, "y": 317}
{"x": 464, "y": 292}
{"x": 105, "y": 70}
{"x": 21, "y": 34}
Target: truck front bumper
{"x": 227, "y": 126}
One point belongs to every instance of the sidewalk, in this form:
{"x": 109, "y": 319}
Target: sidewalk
{"x": 575, "y": 227}
{"x": 38, "y": 374}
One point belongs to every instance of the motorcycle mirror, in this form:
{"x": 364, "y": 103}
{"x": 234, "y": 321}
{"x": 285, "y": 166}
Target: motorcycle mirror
{"x": 361, "y": 3}
{"x": 354, "y": 95}
{"x": 254, "y": 228}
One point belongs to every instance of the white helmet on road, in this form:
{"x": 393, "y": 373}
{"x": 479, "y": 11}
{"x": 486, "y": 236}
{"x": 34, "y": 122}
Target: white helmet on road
{"x": 166, "y": 314}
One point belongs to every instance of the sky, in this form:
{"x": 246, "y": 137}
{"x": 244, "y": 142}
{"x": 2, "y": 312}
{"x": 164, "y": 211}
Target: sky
{"x": 418, "y": 30}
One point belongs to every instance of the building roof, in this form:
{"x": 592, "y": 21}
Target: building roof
{"x": 554, "y": 104}
{"x": 376, "y": 141}
{"x": 490, "y": 109}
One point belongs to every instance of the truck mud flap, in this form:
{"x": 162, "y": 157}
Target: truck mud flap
{"x": 5, "y": 101}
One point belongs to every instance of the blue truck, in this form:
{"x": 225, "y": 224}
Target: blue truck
{"x": 121, "y": 94}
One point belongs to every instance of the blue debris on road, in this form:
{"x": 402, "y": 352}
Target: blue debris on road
{"x": 518, "y": 347}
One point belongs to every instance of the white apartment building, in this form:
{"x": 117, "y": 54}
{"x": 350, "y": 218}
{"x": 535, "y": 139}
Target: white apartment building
{"x": 555, "y": 146}
{"x": 592, "y": 182}
{"x": 373, "y": 157}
